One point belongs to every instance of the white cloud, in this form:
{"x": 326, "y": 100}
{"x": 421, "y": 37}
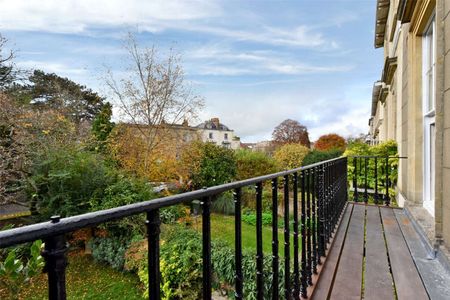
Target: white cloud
{"x": 222, "y": 60}
{"x": 200, "y": 16}
{"x": 52, "y": 67}
{"x": 76, "y": 16}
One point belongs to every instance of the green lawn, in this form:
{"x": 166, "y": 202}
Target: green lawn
{"x": 222, "y": 227}
{"x": 87, "y": 279}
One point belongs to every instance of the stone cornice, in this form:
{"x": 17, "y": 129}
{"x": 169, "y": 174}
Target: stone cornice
{"x": 380, "y": 22}
{"x": 390, "y": 66}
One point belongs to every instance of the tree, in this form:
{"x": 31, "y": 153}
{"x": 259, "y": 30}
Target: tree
{"x": 75, "y": 101}
{"x": 102, "y": 125}
{"x": 290, "y": 132}
{"x": 206, "y": 164}
{"x": 154, "y": 93}
{"x": 290, "y": 156}
{"x": 6, "y": 64}
{"x": 329, "y": 142}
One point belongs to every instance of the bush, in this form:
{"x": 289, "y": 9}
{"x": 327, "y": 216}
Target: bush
{"x": 64, "y": 181}
{"x": 224, "y": 204}
{"x": 316, "y": 156}
{"x": 252, "y": 164}
{"x": 206, "y": 164}
{"x": 290, "y": 156}
{"x": 181, "y": 266}
{"x": 250, "y": 218}
{"x": 16, "y": 271}
{"x": 123, "y": 189}
{"x": 180, "y": 263}
{"x": 110, "y": 250}
{"x": 171, "y": 214}
{"x": 388, "y": 148}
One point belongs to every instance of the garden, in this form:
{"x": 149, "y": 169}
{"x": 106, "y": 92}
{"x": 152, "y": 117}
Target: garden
{"x": 62, "y": 155}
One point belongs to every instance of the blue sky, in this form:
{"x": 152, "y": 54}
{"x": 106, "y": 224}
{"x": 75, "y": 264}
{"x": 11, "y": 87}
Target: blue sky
{"x": 256, "y": 63}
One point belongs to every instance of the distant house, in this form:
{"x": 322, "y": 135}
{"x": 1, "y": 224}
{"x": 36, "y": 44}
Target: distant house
{"x": 213, "y": 131}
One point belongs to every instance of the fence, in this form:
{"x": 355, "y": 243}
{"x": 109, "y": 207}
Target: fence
{"x": 319, "y": 189}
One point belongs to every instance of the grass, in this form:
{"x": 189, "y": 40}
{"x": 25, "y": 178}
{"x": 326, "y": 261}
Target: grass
{"x": 222, "y": 227}
{"x": 87, "y": 279}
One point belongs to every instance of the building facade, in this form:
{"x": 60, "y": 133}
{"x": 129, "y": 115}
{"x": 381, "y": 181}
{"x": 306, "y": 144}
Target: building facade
{"x": 411, "y": 104}
{"x": 213, "y": 131}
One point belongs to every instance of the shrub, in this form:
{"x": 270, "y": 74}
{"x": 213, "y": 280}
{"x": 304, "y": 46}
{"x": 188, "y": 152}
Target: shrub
{"x": 171, "y": 214}
{"x": 252, "y": 164}
{"x": 123, "y": 189}
{"x": 16, "y": 271}
{"x": 64, "y": 181}
{"x": 181, "y": 266}
{"x": 224, "y": 204}
{"x": 290, "y": 156}
{"x": 110, "y": 250}
{"x": 207, "y": 164}
{"x": 250, "y": 218}
{"x": 316, "y": 156}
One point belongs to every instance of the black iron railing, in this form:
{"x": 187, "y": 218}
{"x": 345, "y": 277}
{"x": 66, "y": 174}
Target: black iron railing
{"x": 321, "y": 187}
{"x": 373, "y": 177}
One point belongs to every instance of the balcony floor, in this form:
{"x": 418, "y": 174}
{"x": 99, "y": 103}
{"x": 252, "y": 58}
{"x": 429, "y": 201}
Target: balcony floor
{"x": 370, "y": 257}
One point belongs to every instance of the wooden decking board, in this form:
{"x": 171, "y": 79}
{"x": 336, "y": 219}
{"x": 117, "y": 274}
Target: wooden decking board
{"x": 377, "y": 277}
{"x": 323, "y": 286}
{"x": 347, "y": 284}
{"x": 407, "y": 280}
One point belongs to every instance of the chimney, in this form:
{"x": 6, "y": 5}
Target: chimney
{"x": 185, "y": 123}
{"x": 215, "y": 122}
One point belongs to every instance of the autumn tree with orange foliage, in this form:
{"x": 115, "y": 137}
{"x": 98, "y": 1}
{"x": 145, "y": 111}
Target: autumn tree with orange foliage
{"x": 330, "y": 141}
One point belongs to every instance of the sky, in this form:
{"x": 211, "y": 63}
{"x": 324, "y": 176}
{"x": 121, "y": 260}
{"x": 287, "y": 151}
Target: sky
{"x": 256, "y": 63}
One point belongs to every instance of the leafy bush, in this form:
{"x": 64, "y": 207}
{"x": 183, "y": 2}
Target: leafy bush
{"x": 180, "y": 263}
{"x": 223, "y": 262}
{"x": 290, "y": 156}
{"x": 388, "y": 148}
{"x": 110, "y": 250}
{"x": 250, "y": 218}
{"x": 15, "y": 273}
{"x": 181, "y": 266}
{"x": 123, "y": 189}
{"x": 64, "y": 181}
{"x": 316, "y": 156}
{"x": 171, "y": 214}
{"x": 224, "y": 204}
{"x": 252, "y": 164}
{"x": 207, "y": 164}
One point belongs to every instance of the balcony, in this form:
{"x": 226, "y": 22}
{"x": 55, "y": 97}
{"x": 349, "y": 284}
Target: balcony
{"x": 333, "y": 248}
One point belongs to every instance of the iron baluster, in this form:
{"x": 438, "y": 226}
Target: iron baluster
{"x": 275, "y": 292}
{"x": 153, "y": 230}
{"x": 387, "y": 199}
{"x": 314, "y": 221}
{"x": 303, "y": 230}
{"x": 366, "y": 195}
{"x": 320, "y": 210}
{"x": 355, "y": 180}
{"x": 206, "y": 247}
{"x": 259, "y": 248}
{"x": 308, "y": 225}
{"x": 287, "y": 280}
{"x": 55, "y": 264}
{"x": 296, "y": 269}
{"x": 238, "y": 244}
{"x": 375, "y": 195}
